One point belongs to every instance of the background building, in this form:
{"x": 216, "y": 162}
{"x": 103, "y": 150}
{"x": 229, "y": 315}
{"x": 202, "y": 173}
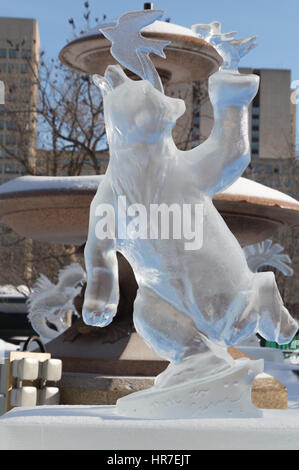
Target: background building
{"x": 19, "y": 58}
{"x": 272, "y": 116}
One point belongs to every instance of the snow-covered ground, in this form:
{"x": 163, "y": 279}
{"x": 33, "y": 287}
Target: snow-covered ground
{"x": 8, "y": 290}
{"x": 5, "y": 348}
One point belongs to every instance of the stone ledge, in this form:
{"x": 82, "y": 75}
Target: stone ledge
{"x": 94, "y": 389}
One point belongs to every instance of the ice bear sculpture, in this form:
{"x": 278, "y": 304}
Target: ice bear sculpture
{"x": 191, "y": 304}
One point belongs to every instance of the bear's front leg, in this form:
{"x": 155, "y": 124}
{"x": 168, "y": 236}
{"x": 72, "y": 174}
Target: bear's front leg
{"x": 102, "y": 290}
{"x": 224, "y": 156}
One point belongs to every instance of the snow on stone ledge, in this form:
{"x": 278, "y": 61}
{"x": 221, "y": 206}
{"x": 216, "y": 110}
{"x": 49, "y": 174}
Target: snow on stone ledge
{"x": 42, "y": 183}
{"x": 248, "y": 188}
{"x": 242, "y": 187}
{"x": 156, "y": 27}
{"x": 11, "y": 291}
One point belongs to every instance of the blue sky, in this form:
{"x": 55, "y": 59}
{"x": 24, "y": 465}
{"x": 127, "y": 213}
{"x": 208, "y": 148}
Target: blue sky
{"x": 275, "y": 22}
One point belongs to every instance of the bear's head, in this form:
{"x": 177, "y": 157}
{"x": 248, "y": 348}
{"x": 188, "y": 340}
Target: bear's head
{"x": 134, "y": 110}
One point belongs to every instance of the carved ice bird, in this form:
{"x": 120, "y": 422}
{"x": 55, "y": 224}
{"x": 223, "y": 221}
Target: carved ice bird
{"x": 49, "y": 303}
{"x": 131, "y": 49}
{"x": 206, "y": 31}
{"x": 232, "y": 50}
{"x": 267, "y": 253}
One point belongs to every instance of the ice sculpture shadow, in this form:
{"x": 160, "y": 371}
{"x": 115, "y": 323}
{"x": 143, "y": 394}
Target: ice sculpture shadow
{"x": 192, "y": 301}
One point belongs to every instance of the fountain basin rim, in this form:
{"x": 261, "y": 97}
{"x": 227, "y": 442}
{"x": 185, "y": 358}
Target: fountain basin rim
{"x": 75, "y": 53}
{"x": 243, "y": 190}
{"x": 156, "y": 26}
{"x": 56, "y": 209}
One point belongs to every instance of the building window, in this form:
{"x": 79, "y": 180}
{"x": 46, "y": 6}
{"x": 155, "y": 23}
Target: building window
{"x": 11, "y": 126}
{"x": 255, "y": 123}
{"x": 1, "y": 124}
{"x": 26, "y": 54}
{"x": 1, "y": 138}
{"x": 10, "y": 140}
{"x": 2, "y": 53}
{"x": 13, "y": 53}
{"x": 195, "y": 133}
{"x": 3, "y": 68}
{"x": 196, "y": 120}
{"x": 12, "y": 68}
{"x": 24, "y": 68}
{"x": 9, "y": 168}
{"x": 2, "y": 109}
{"x": 257, "y": 169}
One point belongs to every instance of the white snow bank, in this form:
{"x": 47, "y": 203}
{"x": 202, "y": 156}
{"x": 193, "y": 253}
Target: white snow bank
{"x": 11, "y": 291}
{"x": 5, "y": 348}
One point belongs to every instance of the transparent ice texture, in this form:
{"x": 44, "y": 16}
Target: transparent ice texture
{"x": 230, "y": 48}
{"x": 131, "y": 49}
{"x": 267, "y": 253}
{"x": 50, "y": 303}
{"x": 189, "y": 302}
{"x": 207, "y": 31}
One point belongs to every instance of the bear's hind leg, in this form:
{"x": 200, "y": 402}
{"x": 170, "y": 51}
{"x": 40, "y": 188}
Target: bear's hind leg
{"x": 169, "y": 332}
{"x": 174, "y": 336}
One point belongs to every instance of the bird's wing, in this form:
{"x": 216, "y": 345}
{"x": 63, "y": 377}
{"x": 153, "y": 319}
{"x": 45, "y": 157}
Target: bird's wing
{"x": 153, "y": 45}
{"x": 268, "y": 254}
{"x": 140, "y": 18}
{"x": 71, "y": 273}
{"x": 246, "y": 45}
{"x": 42, "y": 284}
{"x": 131, "y": 49}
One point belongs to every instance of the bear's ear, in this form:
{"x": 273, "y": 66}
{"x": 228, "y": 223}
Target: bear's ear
{"x": 115, "y": 75}
{"x": 102, "y": 83}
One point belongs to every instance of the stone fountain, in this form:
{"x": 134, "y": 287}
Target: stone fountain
{"x": 56, "y": 209}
